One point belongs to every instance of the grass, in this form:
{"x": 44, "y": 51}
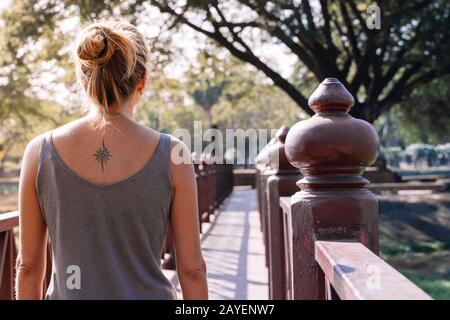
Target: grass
{"x": 439, "y": 289}
{"x": 424, "y": 263}
{"x": 390, "y": 248}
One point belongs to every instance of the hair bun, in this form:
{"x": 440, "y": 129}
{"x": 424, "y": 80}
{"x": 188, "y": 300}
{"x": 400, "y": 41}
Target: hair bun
{"x": 96, "y": 47}
{"x": 110, "y": 60}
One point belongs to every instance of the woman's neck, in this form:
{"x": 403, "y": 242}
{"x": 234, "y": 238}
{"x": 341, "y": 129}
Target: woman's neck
{"x": 113, "y": 119}
{"x": 124, "y": 110}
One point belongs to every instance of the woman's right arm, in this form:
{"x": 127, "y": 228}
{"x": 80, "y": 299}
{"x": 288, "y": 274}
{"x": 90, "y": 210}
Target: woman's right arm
{"x": 191, "y": 267}
{"x": 31, "y": 261}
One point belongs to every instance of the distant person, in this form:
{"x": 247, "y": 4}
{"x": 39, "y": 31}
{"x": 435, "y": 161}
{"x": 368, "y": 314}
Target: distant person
{"x": 104, "y": 189}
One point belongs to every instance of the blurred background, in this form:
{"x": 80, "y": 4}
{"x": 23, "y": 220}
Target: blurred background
{"x": 253, "y": 64}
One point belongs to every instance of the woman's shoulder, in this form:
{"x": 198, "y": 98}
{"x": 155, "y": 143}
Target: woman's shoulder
{"x": 179, "y": 150}
{"x": 181, "y": 164}
{"x": 37, "y": 140}
{"x": 179, "y": 154}
{"x": 34, "y": 144}
{"x": 32, "y": 150}
{"x": 31, "y": 154}
{"x": 174, "y": 141}
{"x": 69, "y": 128}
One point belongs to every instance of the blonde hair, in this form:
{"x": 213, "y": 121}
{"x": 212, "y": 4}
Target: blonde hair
{"x": 110, "y": 59}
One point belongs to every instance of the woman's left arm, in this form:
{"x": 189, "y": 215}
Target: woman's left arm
{"x": 31, "y": 262}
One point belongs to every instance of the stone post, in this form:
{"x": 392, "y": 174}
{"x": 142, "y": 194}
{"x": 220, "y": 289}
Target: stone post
{"x": 281, "y": 182}
{"x": 331, "y": 149}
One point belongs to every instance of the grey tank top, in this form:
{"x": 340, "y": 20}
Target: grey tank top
{"x": 106, "y": 240}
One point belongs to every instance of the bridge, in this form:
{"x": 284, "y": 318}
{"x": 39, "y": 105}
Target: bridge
{"x": 305, "y": 227}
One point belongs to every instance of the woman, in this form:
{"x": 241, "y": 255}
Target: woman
{"x": 104, "y": 189}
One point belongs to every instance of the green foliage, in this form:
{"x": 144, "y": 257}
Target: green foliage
{"x": 24, "y": 43}
{"x": 208, "y": 97}
{"x": 424, "y": 117}
{"x": 238, "y": 96}
{"x": 407, "y": 257}
{"x": 246, "y": 100}
{"x": 164, "y": 105}
{"x": 222, "y": 90}
{"x": 380, "y": 66}
{"x": 30, "y": 44}
{"x": 206, "y": 81}
{"x": 390, "y": 248}
{"x": 438, "y": 289}
{"x": 17, "y": 131}
{"x": 37, "y": 82}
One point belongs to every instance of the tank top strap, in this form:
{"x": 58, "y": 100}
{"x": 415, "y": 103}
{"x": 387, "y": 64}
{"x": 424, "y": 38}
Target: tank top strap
{"x": 164, "y": 149}
{"x": 46, "y": 169}
{"x": 165, "y": 146}
{"x": 45, "y": 150}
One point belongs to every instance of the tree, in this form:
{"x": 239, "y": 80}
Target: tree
{"x": 32, "y": 34}
{"x": 164, "y": 107}
{"x": 235, "y": 95}
{"x": 15, "y": 65}
{"x": 424, "y": 117}
{"x": 31, "y": 46}
{"x": 249, "y": 101}
{"x": 205, "y": 83}
{"x": 332, "y": 39}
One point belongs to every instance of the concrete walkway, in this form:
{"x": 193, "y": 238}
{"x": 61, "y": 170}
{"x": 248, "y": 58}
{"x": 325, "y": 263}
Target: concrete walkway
{"x": 234, "y": 251}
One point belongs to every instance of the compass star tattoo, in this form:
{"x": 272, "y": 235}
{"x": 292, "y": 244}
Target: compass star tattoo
{"x": 102, "y": 155}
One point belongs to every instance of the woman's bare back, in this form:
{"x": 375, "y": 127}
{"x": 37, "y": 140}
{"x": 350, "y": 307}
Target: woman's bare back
{"x": 105, "y": 156}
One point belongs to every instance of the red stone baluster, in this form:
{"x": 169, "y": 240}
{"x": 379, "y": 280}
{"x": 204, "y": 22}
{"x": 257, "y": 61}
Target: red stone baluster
{"x": 263, "y": 166}
{"x": 208, "y": 191}
{"x": 202, "y": 189}
{"x": 331, "y": 149}
{"x": 281, "y": 182}
{"x": 198, "y": 181}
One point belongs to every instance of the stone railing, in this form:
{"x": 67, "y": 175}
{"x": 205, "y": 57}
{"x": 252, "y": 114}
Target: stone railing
{"x": 8, "y": 254}
{"x": 322, "y": 240}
